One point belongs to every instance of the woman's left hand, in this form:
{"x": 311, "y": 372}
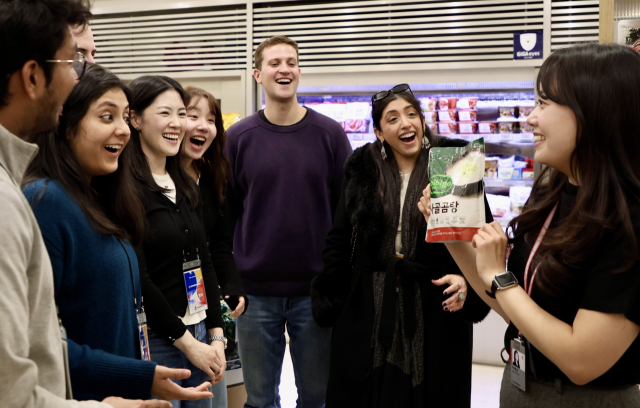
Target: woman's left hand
{"x": 219, "y": 348}
{"x": 491, "y": 251}
{"x": 457, "y": 288}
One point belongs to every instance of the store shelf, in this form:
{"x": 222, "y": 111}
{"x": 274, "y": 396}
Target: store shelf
{"x": 526, "y": 138}
{"x": 499, "y": 183}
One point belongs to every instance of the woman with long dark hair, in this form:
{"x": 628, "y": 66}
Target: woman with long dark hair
{"x": 395, "y": 341}
{"x": 204, "y": 160}
{"x": 572, "y": 287}
{"x": 85, "y": 199}
{"x": 179, "y": 283}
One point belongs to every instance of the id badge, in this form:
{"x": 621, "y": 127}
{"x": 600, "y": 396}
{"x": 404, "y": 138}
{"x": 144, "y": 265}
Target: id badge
{"x": 144, "y": 336}
{"x": 196, "y": 296}
{"x": 518, "y": 364}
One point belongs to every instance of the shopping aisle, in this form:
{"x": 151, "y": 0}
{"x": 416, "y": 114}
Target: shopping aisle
{"x": 485, "y": 387}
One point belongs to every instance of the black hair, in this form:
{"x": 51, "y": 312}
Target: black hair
{"x": 144, "y": 91}
{"x": 600, "y": 84}
{"x": 389, "y": 183}
{"x": 35, "y": 30}
{"x": 110, "y": 202}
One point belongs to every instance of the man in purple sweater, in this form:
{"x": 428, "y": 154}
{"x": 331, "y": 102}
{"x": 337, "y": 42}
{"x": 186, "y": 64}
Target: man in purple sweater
{"x": 285, "y": 181}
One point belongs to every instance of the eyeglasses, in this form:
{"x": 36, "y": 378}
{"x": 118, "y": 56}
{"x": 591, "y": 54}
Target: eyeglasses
{"x": 396, "y": 89}
{"x": 79, "y": 63}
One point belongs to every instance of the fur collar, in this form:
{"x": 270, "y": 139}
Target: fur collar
{"x": 361, "y": 190}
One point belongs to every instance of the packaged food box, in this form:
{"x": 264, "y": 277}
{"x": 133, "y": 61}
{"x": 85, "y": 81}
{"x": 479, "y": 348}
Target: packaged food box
{"x": 443, "y": 103}
{"x": 525, "y": 111}
{"x": 467, "y": 128}
{"x": 505, "y": 173}
{"x": 491, "y": 168}
{"x": 452, "y": 102}
{"x": 519, "y": 196}
{"x": 506, "y": 127}
{"x": 487, "y": 127}
{"x": 447, "y": 128}
{"x": 356, "y": 125}
{"x": 433, "y": 127}
{"x": 467, "y": 115}
{"x": 526, "y": 128}
{"x": 448, "y": 115}
{"x": 457, "y": 192}
{"x": 428, "y": 104}
{"x": 507, "y": 111}
{"x": 431, "y": 117}
{"x": 467, "y": 103}
{"x": 499, "y": 205}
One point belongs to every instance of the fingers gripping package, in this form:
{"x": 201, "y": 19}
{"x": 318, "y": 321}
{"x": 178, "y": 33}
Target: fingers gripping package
{"x": 457, "y": 192}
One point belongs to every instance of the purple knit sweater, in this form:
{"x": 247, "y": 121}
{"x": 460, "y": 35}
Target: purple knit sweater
{"x": 284, "y": 186}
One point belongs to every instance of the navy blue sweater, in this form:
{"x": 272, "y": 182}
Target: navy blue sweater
{"x": 285, "y": 182}
{"x": 95, "y": 294}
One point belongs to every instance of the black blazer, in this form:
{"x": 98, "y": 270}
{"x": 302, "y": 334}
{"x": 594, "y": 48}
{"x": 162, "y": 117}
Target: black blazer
{"x": 173, "y": 228}
{"x": 219, "y": 239}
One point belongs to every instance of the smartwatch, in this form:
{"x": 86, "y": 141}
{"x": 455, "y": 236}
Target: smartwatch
{"x": 501, "y": 281}
{"x": 218, "y": 338}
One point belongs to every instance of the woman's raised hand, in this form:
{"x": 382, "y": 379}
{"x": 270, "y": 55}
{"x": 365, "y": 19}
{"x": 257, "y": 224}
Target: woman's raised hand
{"x": 457, "y": 289}
{"x": 424, "y": 205}
{"x": 490, "y": 243}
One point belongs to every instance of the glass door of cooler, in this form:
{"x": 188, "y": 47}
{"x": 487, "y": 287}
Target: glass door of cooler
{"x": 497, "y": 116}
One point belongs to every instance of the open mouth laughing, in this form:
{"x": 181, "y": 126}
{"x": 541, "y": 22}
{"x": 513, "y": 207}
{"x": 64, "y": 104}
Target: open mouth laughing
{"x": 408, "y": 138}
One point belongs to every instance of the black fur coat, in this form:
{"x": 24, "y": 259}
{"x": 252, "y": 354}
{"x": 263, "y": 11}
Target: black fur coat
{"x": 343, "y": 298}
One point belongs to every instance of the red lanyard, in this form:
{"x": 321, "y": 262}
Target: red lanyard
{"x": 528, "y": 286}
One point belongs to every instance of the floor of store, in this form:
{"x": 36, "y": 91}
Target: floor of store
{"x": 485, "y": 387}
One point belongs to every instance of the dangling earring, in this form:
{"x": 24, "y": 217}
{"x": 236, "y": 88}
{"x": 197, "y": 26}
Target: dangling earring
{"x": 425, "y": 142}
{"x": 383, "y": 152}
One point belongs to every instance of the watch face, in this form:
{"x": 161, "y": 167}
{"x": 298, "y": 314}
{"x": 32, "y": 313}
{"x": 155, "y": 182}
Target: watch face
{"x": 506, "y": 279}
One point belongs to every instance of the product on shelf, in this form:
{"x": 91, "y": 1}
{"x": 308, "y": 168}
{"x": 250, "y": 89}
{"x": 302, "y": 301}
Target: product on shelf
{"x": 229, "y": 119}
{"x": 527, "y": 174}
{"x": 467, "y": 128}
{"x": 491, "y": 168}
{"x": 487, "y": 127}
{"x": 457, "y": 192}
{"x": 467, "y": 115}
{"x": 428, "y": 104}
{"x": 434, "y": 128}
{"x": 506, "y": 127}
{"x": 519, "y": 196}
{"x": 499, "y": 205}
{"x": 447, "y": 115}
{"x": 447, "y": 128}
{"x": 447, "y": 103}
{"x": 526, "y": 128}
{"x": 507, "y": 111}
{"x": 505, "y": 173}
{"x": 431, "y": 117}
{"x": 467, "y": 103}
{"x": 525, "y": 111}
{"x": 356, "y": 125}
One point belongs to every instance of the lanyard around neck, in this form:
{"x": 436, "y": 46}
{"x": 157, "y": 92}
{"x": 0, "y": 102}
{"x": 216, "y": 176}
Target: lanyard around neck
{"x": 528, "y": 285}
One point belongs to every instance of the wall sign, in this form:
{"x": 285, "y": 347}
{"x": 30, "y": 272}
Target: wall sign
{"x": 527, "y": 45}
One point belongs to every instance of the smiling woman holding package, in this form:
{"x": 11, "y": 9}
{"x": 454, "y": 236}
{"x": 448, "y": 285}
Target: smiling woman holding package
{"x": 395, "y": 341}
{"x": 178, "y": 279}
{"x": 571, "y": 293}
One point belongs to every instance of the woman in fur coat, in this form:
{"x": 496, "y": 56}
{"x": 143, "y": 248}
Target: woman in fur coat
{"x": 400, "y": 309}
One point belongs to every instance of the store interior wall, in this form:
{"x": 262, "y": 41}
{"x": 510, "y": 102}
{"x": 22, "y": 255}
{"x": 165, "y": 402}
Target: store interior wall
{"x": 228, "y": 90}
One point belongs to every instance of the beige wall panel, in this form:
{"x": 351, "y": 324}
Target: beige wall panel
{"x": 229, "y": 90}
{"x": 416, "y": 77}
{"x": 606, "y": 21}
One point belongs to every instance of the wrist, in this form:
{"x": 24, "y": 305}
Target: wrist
{"x": 184, "y": 343}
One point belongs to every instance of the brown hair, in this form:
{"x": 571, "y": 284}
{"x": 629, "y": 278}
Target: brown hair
{"x": 213, "y": 161}
{"x": 271, "y": 42}
{"x": 599, "y": 83}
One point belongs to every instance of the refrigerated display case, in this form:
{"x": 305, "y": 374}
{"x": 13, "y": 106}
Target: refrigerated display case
{"x": 499, "y": 116}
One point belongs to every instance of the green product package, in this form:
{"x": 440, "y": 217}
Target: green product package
{"x": 457, "y": 192}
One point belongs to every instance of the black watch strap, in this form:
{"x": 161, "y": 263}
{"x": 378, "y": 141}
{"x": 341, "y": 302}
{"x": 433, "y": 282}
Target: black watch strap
{"x": 494, "y": 287}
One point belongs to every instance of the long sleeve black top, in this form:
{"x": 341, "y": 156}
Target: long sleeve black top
{"x": 174, "y": 227}
{"x": 220, "y": 243}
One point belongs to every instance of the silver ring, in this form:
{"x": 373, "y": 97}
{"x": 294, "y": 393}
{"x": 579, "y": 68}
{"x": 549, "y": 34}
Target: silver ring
{"x": 461, "y": 296}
